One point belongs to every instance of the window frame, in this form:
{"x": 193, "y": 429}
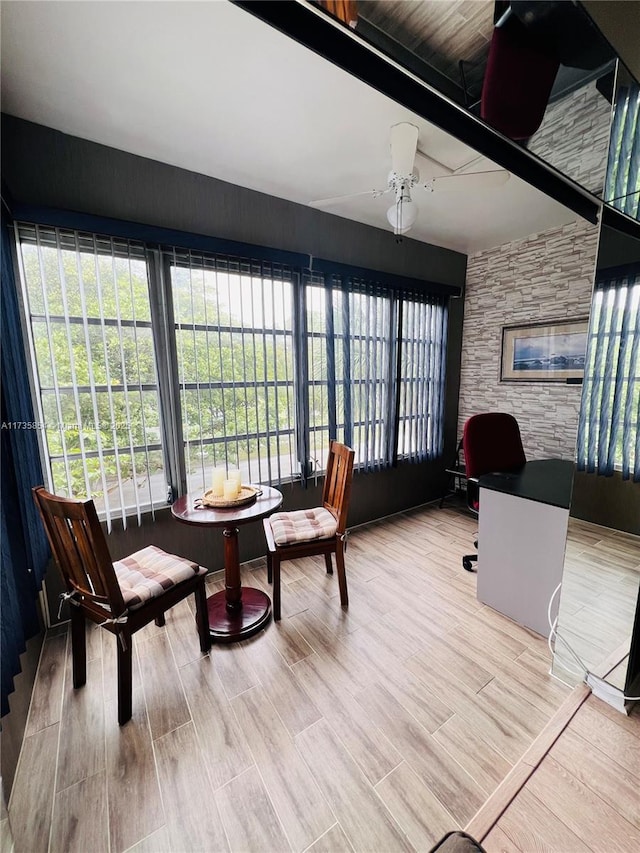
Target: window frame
{"x": 386, "y": 451}
{"x": 431, "y": 346}
{"x": 95, "y": 246}
{"x": 331, "y": 276}
{"x": 236, "y": 267}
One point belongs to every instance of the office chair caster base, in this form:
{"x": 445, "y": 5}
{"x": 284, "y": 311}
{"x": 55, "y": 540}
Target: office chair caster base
{"x": 467, "y": 564}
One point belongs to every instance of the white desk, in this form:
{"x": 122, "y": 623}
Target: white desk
{"x": 521, "y": 539}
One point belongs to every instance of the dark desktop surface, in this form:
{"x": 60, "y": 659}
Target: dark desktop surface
{"x": 547, "y": 481}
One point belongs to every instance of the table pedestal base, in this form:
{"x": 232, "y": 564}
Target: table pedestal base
{"x": 225, "y": 627}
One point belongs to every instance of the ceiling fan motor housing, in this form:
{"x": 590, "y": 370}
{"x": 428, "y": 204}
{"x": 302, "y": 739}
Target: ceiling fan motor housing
{"x": 397, "y": 181}
{"x": 403, "y": 212}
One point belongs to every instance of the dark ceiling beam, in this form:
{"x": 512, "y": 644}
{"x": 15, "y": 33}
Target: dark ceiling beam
{"x": 612, "y": 218}
{"x": 340, "y": 46}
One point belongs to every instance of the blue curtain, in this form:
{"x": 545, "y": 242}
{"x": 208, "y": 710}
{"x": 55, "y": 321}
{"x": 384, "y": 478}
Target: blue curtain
{"x": 609, "y": 424}
{"x": 24, "y": 546}
{"x": 622, "y": 189}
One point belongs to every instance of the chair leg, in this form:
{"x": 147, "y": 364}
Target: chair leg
{"x": 329, "y": 565}
{"x": 269, "y": 567}
{"x": 342, "y": 576}
{"x": 160, "y": 620}
{"x": 78, "y": 647}
{"x": 202, "y": 618}
{"x": 276, "y": 588}
{"x": 124, "y": 677}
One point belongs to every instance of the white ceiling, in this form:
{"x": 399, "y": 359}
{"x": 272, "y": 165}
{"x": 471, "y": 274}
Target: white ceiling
{"x": 207, "y": 87}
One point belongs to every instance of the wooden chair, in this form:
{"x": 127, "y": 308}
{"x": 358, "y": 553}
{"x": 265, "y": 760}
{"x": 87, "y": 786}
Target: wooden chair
{"x": 123, "y": 596}
{"x": 307, "y": 533}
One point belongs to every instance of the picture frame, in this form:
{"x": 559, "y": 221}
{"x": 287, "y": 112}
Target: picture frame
{"x": 553, "y": 351}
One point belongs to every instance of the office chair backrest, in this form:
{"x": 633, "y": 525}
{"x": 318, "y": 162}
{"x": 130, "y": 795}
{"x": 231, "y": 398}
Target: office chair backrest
{"x": 517, "y": 82}
{"x": 337, "y": 483}
{"x": 492, "y": 442}
{"x": 80, "y": 550}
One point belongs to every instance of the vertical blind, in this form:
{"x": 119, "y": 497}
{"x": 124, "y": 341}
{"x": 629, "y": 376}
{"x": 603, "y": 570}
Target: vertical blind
{"x": 609, "y": 424}
{"x": 234, "y": 340}
{"x": 622, "y": 188}
{"x": 348, "y": 326}
{"x": 377, "y": 361}
{"x": 422, "y": 378}
{"x": 325, "y": 377}
{"x": 371, "y": 339}
{"x": 87, "y": 301}
{"x": 154, "y": 365}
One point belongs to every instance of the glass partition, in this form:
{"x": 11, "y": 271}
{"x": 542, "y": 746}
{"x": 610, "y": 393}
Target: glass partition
{"x": 601, "y": 579}
{"x": 542, "y": 74}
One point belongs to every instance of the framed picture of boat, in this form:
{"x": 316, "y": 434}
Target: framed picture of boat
{"x": 544, "y": 352}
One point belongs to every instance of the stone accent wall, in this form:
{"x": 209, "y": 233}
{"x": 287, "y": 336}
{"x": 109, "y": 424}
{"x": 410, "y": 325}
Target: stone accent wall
{"x": 574, "y": 137}
{"x": 547, "y": 276}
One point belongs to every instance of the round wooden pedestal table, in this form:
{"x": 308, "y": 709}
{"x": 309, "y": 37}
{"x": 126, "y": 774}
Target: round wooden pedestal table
{"x": 238, "y": 612}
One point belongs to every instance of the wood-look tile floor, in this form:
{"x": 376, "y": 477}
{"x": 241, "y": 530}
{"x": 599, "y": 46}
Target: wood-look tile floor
{"x": 598, "y": 600}
{"x": 583, "y": 796}
{"x": 377, "y": 728}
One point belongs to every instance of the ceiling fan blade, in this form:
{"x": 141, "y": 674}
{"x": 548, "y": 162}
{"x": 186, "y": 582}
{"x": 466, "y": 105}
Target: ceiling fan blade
{"x": 431, "y": 162}
{"x": 469, "y": 181}
{"x": 404, "y": 142}
{"x": 336, "y": 199}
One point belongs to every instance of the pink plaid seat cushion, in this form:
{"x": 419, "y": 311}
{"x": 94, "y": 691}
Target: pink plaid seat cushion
{"x": 302, "y": 525}
{"x": 150, "y": 572}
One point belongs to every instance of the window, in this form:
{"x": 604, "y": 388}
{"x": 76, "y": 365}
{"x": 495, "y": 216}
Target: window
{"x": 234, "y": 342}
{"x": 349, "y": 343}
{"x": 87, "y": 302}
{"x": 322, "y": 372}
{"x": 608, "y": 430}
{"x": 153, "y": 365}
{"x": 355, "y": 380}
{"x": 422, "y": 379}
{"x": 370, "y": 346}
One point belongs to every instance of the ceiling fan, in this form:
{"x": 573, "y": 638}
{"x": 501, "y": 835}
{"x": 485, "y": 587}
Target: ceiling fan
{"x": 403, "y": 177}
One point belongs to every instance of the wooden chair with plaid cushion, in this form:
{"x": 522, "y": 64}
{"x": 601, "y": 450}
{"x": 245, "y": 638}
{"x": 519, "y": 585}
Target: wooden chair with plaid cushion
{"x": 123, "y": 596}
{"x": 310, "y": 532}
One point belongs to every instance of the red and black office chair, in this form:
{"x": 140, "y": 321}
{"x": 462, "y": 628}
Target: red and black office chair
{"x": 517, "y": 81}
{"x": 491, "y": 442}
{"x": 531, "y": 39}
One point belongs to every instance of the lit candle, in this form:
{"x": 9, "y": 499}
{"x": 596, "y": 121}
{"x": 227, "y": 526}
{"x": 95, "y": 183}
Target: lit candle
{"x": 230, "y": 490}
{"x": 217, "y": 485}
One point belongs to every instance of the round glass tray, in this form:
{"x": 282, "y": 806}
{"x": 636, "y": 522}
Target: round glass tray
{"x": 247, "y": 495}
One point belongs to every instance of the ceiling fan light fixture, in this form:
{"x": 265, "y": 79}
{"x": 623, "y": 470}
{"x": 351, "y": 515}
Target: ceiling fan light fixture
{"x": 403, "y": 214}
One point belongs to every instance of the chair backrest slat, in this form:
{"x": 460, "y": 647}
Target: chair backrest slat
{"x": 79, "y": 548}
{"x": 337, "y": 483}
{"x": 67, "y": 545}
